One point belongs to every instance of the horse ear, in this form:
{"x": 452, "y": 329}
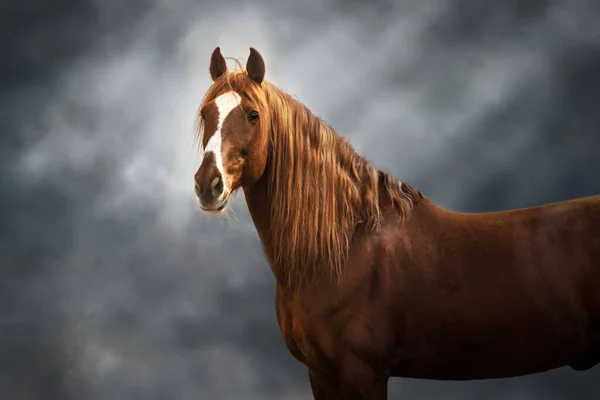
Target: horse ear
{"x": 255, "y": 66}
{"x": 218, "y": 66}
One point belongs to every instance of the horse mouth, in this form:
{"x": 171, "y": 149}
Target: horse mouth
{"x": 219, "y": 207}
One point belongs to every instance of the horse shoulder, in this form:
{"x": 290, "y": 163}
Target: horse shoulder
{"x": 357, "y": 315}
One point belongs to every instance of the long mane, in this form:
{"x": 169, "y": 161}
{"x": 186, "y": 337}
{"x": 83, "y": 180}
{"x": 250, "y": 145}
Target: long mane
{"x": 319, "y": 188}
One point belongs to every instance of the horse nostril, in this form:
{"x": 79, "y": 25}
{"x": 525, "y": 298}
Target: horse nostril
{"x": 198, "y": 189}
{"x": 217, "y": 186}
{"x": 209, "y": 191}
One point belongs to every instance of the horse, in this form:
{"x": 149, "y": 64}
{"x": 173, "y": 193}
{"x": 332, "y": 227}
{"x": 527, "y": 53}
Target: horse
{"x": 373, "y": 279}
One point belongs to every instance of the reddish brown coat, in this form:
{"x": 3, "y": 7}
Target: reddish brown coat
{"x": 376, "y": 281}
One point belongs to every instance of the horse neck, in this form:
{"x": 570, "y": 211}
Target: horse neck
{"x": 258, "y": 205}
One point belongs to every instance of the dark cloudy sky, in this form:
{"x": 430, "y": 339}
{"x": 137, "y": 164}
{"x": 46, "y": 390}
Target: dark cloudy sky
{"x": 114, "y": 286}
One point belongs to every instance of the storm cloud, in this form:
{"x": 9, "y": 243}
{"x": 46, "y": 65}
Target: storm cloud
{"x": 114, "y": 286}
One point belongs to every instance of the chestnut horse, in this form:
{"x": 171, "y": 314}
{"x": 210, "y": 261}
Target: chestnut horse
{"x": 376, "y": 281}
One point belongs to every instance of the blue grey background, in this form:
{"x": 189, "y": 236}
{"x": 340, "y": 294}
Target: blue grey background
{"x": 114, "y": 286}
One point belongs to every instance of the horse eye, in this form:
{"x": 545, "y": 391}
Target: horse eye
{"x": 252, "y": 116}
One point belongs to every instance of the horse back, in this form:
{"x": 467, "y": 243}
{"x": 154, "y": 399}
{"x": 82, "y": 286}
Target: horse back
{"x": 469, "y": 289}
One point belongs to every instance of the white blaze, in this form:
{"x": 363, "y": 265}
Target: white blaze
{"x": 225, "y": 104}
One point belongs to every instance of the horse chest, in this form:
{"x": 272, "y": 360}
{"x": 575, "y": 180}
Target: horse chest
{"x": 288, "y": 326}
{"x": 309, "y": 341}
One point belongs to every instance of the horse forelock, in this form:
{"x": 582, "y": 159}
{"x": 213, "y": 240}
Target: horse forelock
{"x": 319, "y": 188}
{"x": 236, "y": 81}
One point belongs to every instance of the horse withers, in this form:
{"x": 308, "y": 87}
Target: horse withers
{"x": 376, "y": 281}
